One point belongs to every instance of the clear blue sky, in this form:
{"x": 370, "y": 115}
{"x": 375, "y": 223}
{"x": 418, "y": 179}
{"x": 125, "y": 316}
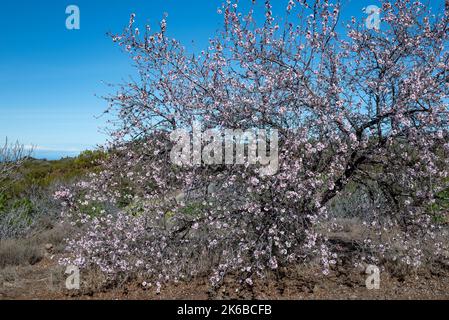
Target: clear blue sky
{"x": 49, "y": 75}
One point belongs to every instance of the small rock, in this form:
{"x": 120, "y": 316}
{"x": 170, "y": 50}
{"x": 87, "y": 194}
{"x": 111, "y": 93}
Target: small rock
{"x": 48, "y": 247}
{"x": 9, "y": 284}
{"x": 306, "y": 289}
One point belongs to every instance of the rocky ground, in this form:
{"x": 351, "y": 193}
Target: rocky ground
{"x": 45, "y": 280}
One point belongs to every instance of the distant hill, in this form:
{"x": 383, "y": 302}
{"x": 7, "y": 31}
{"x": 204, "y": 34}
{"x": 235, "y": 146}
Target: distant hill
{"x": 54, "y": 155}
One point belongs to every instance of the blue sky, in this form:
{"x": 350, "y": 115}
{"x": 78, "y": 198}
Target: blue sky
{"x": 49, "y": 75}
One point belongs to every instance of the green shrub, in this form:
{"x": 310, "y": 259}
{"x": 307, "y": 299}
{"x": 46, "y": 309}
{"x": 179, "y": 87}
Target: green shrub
{"x": 3, "y": 202}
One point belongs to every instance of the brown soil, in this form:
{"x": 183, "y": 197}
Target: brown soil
{"x": 45, "y": 280}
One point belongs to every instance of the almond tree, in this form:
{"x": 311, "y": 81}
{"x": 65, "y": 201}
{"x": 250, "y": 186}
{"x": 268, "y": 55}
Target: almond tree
{"x": 353, "y": 107}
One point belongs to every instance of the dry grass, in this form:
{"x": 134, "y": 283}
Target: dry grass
{"x": 54, "y": 236}
{"x": 30, "y": 250}
{"x": 19, "y": 252}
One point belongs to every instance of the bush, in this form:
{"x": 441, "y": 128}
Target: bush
{"x": 28, "y": 198}
{"x": 14, "y": 223}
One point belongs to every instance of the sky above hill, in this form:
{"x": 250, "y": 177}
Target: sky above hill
{"x": 51, "y": 77}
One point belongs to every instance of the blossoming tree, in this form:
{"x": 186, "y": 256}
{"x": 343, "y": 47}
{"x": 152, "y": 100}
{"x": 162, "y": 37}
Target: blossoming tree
{"x": 353, "y": 107}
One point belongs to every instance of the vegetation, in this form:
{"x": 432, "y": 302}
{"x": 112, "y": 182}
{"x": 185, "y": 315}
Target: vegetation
{"x": 27, "y": 194}
{"x": 360, "y": 174}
